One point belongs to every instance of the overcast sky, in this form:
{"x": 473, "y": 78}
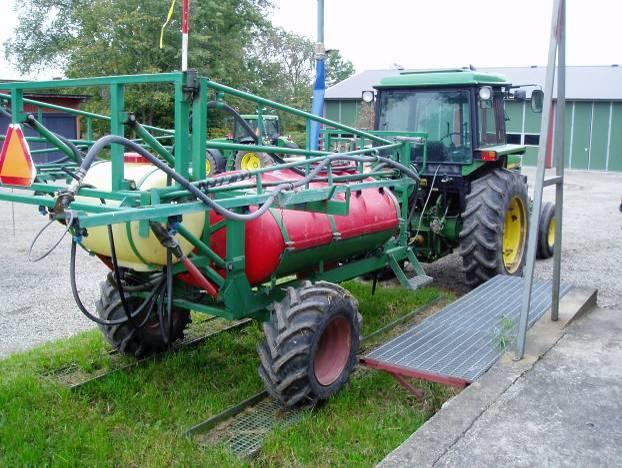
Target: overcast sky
{"x": 437, "y": 33}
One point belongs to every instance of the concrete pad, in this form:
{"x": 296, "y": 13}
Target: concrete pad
{"x": 436, "y": 439}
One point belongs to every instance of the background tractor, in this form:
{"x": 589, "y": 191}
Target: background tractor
{"x": 472, "y": 196}
{"x": 250, "y": 129}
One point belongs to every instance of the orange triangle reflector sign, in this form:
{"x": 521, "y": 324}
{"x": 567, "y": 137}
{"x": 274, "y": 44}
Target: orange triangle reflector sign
{"x": 16, "y": 166}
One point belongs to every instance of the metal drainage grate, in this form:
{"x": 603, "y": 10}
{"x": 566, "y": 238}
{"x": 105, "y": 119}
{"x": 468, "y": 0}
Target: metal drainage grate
{"x": 244, "y": 434}
{"x": 466, "y": 337}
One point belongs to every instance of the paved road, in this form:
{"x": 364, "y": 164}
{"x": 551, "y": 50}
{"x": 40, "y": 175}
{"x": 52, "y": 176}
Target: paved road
{"x": 564, "y": 412}
{"x": 37, "y": 305}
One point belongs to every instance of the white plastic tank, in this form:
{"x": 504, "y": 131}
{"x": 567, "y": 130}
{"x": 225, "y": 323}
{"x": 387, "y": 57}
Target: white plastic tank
{"x": 133, "y": 250}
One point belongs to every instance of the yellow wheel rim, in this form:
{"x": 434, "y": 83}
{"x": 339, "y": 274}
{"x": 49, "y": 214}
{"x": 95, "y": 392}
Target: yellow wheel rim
{"x": 514, "y": 234}
{"x": 250, "y": 162}
{"x": 551, "y": 234}
{"x": 208, "y": 167}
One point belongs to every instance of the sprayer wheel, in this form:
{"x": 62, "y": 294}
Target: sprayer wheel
{"x": 494, "y": 227}
{"x": 311, "y": 342}
{"x": 125, "y": 338}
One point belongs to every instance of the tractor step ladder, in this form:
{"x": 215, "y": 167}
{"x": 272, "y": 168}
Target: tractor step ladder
{"x": 462, "y": 341}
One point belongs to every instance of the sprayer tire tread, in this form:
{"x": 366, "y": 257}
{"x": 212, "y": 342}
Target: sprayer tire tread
{"x": 286, "y": 354}
{"x": 124, "y": 338}
{"x": 481, "y": 236}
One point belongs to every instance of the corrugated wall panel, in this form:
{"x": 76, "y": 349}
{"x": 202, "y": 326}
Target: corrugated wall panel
{"x": 581, "y": 135}
{"x": 514, "y": 111}
{"x": 331, "y": 110}
{"x": 615, "y": 145}
{"x": 600, "y": 132}
{"x": 348, "y": 112}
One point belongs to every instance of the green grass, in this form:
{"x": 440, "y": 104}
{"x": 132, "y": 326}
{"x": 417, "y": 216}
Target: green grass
{"x": 138, "y": 417}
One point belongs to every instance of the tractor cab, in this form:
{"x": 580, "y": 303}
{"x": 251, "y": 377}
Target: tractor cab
{"x": 271, "y": 129}
{"x": 460, "y": 110}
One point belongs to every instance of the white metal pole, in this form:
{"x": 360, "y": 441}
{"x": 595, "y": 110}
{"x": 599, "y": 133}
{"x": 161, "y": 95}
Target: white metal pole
{"x": 184, "y": 35}
{"x": 534, "y": 219}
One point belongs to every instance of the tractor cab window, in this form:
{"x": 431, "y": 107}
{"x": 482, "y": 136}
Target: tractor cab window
{"x": 443, "y": 115}
{"x": 491, "y": 118}
{"x": 270, "y": 128}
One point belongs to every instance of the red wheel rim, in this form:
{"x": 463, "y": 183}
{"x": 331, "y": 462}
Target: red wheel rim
{"x": 333, "y": 351}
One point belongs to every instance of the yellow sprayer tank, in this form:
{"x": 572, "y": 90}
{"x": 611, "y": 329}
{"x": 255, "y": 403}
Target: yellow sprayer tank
{"x": 133, "y": 250}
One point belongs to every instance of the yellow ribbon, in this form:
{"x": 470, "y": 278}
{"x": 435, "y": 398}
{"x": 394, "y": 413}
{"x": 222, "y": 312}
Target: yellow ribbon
{"x": 168, "y": 20}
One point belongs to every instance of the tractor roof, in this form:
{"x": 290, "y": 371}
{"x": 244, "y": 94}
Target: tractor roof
{"x": 254, "y": 117}
{"x": 433, "y": 78}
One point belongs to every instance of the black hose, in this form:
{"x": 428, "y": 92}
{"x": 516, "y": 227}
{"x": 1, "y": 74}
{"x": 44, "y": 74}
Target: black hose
{"x": 83, "y": 309}
{"x": 185, "y": 183}
{"x": 236, "y": 115}
{"x": 117, "y": 278}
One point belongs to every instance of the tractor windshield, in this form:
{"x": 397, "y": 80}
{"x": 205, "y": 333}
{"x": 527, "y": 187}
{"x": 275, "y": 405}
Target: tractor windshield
{"x": 443, "y": 115}
{"x": 270, "y": 128}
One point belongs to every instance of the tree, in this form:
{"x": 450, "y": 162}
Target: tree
{"x": 284, "y": 64}
{"x": 113, "y": 37}
{"x": 231, "y": 41}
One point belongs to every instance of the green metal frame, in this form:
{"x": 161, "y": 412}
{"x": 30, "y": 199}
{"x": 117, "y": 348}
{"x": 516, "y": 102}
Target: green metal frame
{"x": 236, "y": 298}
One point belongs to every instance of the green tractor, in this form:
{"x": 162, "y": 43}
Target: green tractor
{"x": 472, "y": 197}
{"x": 247, "y": 132}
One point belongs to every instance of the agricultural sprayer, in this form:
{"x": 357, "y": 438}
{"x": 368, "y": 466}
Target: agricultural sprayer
{"x": 271, "y": 244}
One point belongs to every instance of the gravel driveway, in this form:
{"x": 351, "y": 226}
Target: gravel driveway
{"x": 592, "y": 238}
{"x": 37, "y": 305}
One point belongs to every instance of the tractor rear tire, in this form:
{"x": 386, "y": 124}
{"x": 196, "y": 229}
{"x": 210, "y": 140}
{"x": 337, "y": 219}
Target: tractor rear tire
{"x": 214, "y": 162}
{"x": 493, "y": 238}
{"x": 125, "y": 338}
{"x": 251, "y": 161}
{"x": 546, "y": 231}
{"x": 311, "y": 343}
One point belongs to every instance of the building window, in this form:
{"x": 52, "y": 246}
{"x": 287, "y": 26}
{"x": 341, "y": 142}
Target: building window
{"x": 532, "y": 140}
{"x": 514, "y": 138}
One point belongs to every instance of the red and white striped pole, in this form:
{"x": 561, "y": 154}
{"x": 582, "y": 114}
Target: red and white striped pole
{"x": 184, "y": 35}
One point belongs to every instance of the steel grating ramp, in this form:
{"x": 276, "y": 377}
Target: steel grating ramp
{"x": 464, "y": 339}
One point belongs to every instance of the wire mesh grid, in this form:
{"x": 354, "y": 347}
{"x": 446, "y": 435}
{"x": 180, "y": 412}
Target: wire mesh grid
{"x": 466, "y": 337}
{"x": 245, "y": 434}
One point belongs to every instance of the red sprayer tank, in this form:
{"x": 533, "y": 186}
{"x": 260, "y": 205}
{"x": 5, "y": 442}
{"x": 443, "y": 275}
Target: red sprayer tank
{"x": 289, "y": 241}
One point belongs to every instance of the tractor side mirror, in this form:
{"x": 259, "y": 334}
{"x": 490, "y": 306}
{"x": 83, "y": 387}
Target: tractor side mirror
{"x": 537, "y": 100}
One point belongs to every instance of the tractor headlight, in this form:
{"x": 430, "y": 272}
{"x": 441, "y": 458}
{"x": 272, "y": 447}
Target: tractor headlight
{"x": 485, "y": 93}
{"x": 368, "y": 96}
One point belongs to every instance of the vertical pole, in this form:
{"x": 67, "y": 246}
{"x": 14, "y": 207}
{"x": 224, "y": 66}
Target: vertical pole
{"x": 538, "y": 185}
{"x": 116, "y": 128}
{"x": 559, "y": 158}
{"x": 320, "y": 76}
{"x": 184, "y": 35}
{"x": 182, "y": 130}
{"x": 199, "y": 132}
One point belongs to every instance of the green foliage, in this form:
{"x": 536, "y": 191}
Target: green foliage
{"x": 231, "y": 41}
{"x": 138, "y": 417}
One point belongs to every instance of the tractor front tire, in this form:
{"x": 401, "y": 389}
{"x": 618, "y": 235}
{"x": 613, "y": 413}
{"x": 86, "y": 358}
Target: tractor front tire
{"x": 493, "y": 238}
{"x": 124, "y": 337}
{"x": 311, "y": 343}
{"x": 546, "y": 231}
{"x": 251, "y": 161}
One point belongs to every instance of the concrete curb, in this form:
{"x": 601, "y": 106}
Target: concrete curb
{"x": 426, "y": 446}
